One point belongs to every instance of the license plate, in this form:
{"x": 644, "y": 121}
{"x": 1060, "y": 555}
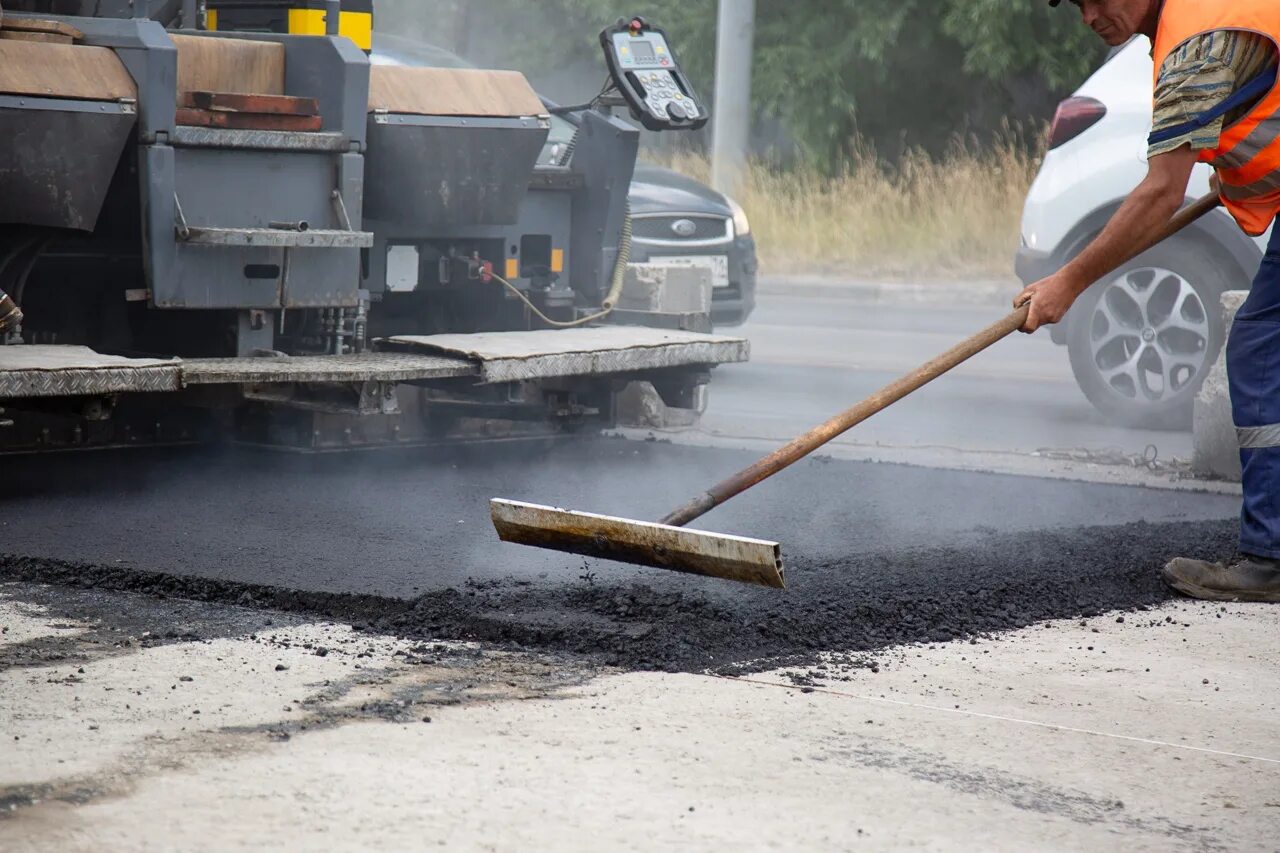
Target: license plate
{"x": 718, "y": 264}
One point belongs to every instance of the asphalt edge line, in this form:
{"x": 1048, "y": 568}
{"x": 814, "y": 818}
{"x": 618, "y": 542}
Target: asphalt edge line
{"x": 984, "y": 462}
{"x": 880, "y": 454}
{"x": 998, "y": 717}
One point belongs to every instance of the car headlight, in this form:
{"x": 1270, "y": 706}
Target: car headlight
{"x": 741, "y": 225}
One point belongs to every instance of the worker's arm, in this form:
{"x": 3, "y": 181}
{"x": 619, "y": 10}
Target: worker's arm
{"x": 1144, "y": 213}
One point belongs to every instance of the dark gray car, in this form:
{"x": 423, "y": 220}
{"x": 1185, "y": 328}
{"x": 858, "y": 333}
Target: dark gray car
{"x": 677, "y": 219}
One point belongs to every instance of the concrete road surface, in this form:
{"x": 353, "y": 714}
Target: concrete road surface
{"x": 254, "y": 730}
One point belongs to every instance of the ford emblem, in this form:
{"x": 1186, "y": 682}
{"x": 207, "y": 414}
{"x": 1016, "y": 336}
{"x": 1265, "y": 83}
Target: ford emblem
{"x": 684, "y": 227}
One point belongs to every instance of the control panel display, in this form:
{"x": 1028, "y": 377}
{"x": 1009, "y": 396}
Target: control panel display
{"x": 645, "y": 70}
{"x": 643, "y": 51}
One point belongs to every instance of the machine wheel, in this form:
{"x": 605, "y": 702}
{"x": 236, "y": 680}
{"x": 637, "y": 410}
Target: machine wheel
{"x": 1142, "y": 342}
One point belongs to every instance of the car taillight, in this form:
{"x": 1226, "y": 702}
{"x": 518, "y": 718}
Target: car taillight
{"x": 1074, "y": 117}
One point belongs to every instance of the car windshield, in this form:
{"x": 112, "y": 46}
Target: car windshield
{"x": 399, "y": 50}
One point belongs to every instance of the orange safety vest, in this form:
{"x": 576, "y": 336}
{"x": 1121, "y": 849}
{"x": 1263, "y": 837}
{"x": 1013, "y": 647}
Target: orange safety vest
{"x": 1248, "y": 154}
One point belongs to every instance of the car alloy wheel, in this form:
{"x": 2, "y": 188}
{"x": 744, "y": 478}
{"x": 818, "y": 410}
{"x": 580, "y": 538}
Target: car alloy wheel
{"x": 1142, "y": 342}
{"x": 1149, "y": 335}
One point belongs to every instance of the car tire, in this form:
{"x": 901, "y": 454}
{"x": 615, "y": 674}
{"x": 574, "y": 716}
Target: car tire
{"x": 1142, "y": 340}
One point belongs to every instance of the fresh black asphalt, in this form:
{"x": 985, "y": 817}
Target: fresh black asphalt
{"x": 400, "y": 541}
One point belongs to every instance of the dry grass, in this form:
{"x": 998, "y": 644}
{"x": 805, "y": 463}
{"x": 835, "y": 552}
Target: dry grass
{"x": 952, "y": 216}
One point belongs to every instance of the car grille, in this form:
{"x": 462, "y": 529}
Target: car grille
{"x": 662, "y": 230}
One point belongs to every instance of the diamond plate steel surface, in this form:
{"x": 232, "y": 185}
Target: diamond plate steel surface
{"x": 372, "y": 366}
{"x": 543, "y": 354}
{"x": 68, "y": 371}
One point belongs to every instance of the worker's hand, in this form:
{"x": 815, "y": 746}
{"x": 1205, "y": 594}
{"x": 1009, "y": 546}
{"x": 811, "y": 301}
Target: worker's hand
{"x": 1215, "y": 183}
{"x": 1050, "y": 298}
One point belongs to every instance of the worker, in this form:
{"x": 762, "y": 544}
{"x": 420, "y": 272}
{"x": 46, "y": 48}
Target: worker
{"x": 1216, "y": 102}
{"x": 10, "y": 315}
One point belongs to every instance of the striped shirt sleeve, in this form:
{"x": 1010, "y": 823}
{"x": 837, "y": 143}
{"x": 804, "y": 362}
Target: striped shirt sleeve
{"x": 1202, "y": 73}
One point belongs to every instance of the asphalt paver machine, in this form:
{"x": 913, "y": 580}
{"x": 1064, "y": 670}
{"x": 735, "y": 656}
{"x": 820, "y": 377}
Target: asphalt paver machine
{"x": 221, "y": 217}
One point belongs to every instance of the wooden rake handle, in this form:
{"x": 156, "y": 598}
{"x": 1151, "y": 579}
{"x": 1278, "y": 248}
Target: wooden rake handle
{"x": 892, "y": 393}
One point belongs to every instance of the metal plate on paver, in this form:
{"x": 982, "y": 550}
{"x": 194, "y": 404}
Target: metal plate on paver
{"x": 264, "y": 140}
{"x": 370, "y": 366}
{"x": 273, "y": 238}
{"x": 63, "y": 371}
{"x": 542, "y": 354}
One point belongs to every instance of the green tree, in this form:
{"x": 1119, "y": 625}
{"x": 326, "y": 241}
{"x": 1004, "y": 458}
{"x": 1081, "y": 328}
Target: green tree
{"x": 895, "y": 72}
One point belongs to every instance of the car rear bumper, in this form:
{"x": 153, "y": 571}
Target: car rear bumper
{"x": 732, "y": 306}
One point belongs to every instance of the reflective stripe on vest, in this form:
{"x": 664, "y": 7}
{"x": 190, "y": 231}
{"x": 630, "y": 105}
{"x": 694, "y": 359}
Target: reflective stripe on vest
{"x": 1258, "y": 438}
{"x": 1248, "y": 154}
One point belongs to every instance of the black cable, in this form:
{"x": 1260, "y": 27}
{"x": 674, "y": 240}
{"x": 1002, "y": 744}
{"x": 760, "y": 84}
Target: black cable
{"x": 559, "y": 111}
{"x": 608, "y": 88}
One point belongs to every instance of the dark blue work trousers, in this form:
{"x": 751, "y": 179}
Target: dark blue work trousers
{"x": 1253, "y": 367}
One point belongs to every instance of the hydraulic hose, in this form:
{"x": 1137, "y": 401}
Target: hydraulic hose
{"x": 616, "y": 282}
{"x": 620, "y": 264}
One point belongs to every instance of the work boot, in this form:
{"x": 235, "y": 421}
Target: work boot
{"x": 1248, "y": 578}
{"x": 10, "y": 314}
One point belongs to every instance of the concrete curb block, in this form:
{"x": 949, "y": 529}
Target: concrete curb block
{"x": 1216, "y": 451}
{"x": 965, "y": 292}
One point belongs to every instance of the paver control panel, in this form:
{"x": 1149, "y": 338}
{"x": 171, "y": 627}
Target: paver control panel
{"x": 647, "y": 73}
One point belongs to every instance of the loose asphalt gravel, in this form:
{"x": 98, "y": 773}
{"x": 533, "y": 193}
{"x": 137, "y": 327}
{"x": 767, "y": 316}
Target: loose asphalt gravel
{"x": 878, "y": 554}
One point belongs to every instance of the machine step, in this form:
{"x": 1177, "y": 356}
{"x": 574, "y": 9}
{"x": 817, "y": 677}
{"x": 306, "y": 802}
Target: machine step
{"x": 66, "y": 371}
{"x": 490, "y": 357}
{"x": 591, "y": 351}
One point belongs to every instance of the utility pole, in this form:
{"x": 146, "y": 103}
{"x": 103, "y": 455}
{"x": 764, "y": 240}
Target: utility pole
{"x": 731, "y": 124}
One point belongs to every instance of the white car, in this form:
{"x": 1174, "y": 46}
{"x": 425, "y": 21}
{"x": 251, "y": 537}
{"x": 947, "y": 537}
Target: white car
{"x": 1140, "y": 342}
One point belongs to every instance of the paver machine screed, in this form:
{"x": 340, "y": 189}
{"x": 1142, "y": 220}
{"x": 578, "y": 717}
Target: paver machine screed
{"x": 222, "y": 217}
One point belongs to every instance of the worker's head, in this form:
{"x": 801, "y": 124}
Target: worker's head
{"x": 1117, "y": 21}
